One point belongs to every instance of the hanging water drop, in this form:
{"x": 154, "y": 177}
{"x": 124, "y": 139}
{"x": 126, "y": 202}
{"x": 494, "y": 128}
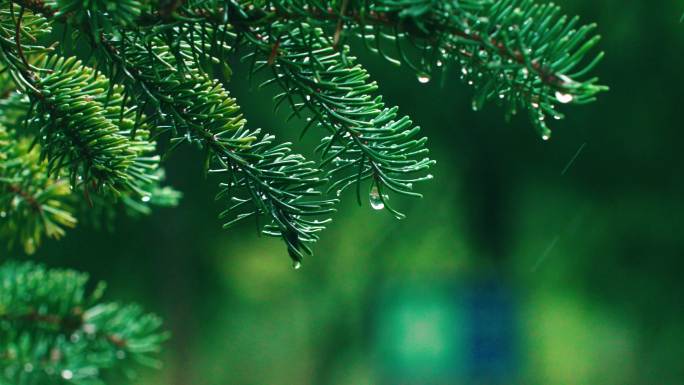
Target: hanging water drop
{"x": 296, "y": 265}
{"x": 546, "y": 137}
{"x": 439, "y": 63}
{"x": 564, "y": 98}
{"x": 145, "y": 198}
{"x": 376, "y": 201}
{"x": 423, "y": 78}
{"x": 67, "y": 374}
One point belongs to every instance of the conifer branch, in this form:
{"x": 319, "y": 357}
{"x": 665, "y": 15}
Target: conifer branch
{"x": 367, "y": 140}
{"x": 516, "y": 52}
{"x": 32, "y": 204}
{"x": 52, "y": 330}
{"x": 277, "y": 184}
{"x": 520, "y": 54}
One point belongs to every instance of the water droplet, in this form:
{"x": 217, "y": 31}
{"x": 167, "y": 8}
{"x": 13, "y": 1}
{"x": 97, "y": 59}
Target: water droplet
{"x": 423, "y": 78}
{"x": 546, "y": 137}
{"x": 375, "y": 199}
{"x": 3, "y": 214}
{"x": 145, "y": 198}
{"x": 564, "y": 98}
{"x": 464, "y": 70}
{"x": 67, "y": 374}
{"x": 89, "y": 328}
{"x": 28, "y": 367}
{"x": 296, "y": 265}
{"x": 120, "y": 354}
{"x": 439, "y": 63}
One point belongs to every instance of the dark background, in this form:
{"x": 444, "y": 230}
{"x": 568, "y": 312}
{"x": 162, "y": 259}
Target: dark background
{"x": 508, "y": 271}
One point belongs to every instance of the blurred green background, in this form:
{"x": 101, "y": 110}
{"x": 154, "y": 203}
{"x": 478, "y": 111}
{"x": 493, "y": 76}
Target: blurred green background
{"x": 520, "y": 265}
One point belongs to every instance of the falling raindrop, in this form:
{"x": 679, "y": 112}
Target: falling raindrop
{"x": 564, "y": 98}
{"x": 376, "y": 201}
{"x": 423, "y": 78}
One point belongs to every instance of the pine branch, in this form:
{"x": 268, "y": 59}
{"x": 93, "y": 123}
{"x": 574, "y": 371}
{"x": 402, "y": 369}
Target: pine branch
{"x": 52, "y": 330}
{"x": 32, "y": 204}
{"x": 367, "y": 140}
{"x": 515, "y": 52}
{"x": 520, "y": 54}
{"x": 279, "y": 185}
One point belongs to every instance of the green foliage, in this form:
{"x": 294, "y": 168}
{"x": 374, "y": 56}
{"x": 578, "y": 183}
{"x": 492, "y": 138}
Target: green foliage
{"x": 170, "y": 57}
{"x": 35, "y": 204}
{"x": 89, "y": 87}
{"x": 53, "y": 330}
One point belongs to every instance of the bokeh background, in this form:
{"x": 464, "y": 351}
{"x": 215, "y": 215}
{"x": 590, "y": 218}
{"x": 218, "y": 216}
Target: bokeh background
{"x": 527, "y": 262}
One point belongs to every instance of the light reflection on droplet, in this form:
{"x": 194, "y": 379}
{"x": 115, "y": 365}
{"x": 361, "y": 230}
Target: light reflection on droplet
{"x": 564, "y": 98}
{"x": 376, "y": 201}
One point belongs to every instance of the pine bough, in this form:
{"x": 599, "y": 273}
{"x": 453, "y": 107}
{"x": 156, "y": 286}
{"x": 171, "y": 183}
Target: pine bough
{"x": 89, "y": 88}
